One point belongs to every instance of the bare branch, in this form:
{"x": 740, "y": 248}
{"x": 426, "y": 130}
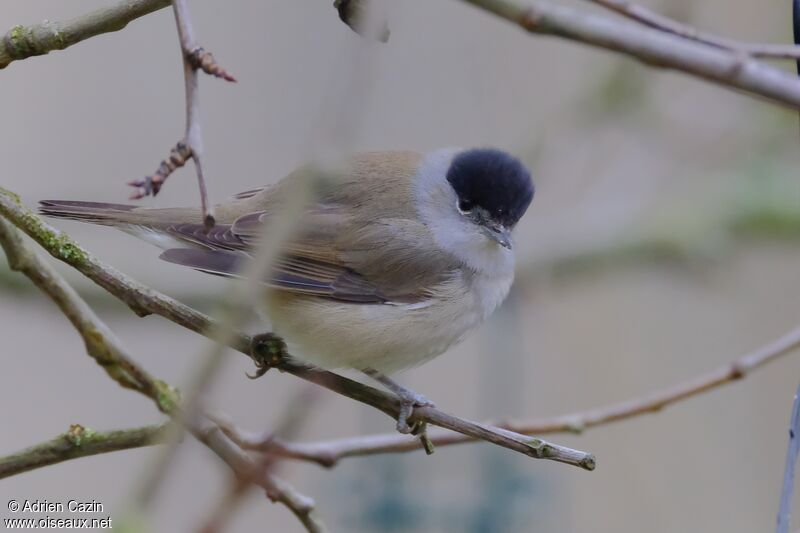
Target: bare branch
{"x": 78, "y": 441}
{"x": 64, "y": 248}
{"x": 296, "y": 412}
{"x": 655, "y": 20}
{"x": 191, "y": 146}
{"x": 530, "y": 446}
{"x": 140, "y": 298}
{"x": 302, "y": 506}
{"x": 328, "y": 453}
{"x": 653, "y": 47}
{"x": 276, "y": 489}
{"x": 21, "y": 42}
{"x": 785, "y": 511}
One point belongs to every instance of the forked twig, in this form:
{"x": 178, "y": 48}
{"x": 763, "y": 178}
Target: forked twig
{"x": 191, "y": 146}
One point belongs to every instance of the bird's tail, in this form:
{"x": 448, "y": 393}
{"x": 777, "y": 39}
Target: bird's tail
{"x": 92, "y": 212}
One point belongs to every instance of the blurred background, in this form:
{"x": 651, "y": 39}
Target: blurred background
{"x": 662, "y": 242}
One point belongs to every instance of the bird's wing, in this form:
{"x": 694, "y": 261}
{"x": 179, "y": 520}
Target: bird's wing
{"x": 360, "y": 243}
{"x": 305, "y": 277}
{"x": 334, "y": 255}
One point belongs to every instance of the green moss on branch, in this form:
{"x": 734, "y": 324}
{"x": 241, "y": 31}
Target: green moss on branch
{"x": 79, "y": 441}
{"x": 21, "y": 42}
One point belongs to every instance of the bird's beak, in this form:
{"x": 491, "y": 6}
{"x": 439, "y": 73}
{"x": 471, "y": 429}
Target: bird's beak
{"x": 498, "y": 233}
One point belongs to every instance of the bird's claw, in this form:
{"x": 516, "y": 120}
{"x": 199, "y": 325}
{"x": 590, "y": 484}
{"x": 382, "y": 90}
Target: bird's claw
{"x": 267, "y": 351}
{"x": 408, "y": 401}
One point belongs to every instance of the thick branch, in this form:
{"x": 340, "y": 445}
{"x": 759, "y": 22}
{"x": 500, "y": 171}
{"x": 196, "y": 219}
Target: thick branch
{"x": 721, "y": 62}
{"x": 79, "y": 441}
{"x": 64, "y": 248}
{"x": 21, "y": 42}
{"x": 653, "y": 47}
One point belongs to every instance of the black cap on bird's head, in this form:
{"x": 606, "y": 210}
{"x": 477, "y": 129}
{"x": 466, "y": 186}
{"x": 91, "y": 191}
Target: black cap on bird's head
{"x": 493, "y": 188}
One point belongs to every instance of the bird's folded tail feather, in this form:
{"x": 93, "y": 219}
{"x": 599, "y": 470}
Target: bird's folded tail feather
{"x": 92, "y": 212}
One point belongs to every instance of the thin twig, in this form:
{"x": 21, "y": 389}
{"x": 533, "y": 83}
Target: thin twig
{"x": 191, "y": 146}
{"x": 655, "y": 20}
{"x": 65, "y": 249}
{"x": 653, "y": 47}
{"x": 276, "y": 489}
{"x": 79, "y": 441}
{"x": 785, "y": 510}
{"x": 296, "y": 412}
{"x": 389, "y": 404}
{"x": 22, "y": 42}
{"x": 328, "y": 453}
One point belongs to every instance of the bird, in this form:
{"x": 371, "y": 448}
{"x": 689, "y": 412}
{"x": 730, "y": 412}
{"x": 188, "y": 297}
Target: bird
{"x": 395, "y": 261}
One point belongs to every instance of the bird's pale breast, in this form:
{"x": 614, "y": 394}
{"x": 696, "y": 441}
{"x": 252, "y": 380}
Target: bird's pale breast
{"x": 386, "y": 337}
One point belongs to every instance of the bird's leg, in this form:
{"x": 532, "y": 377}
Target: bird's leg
{"x": 267, "y": 351}
{"x": 408, "y": 401}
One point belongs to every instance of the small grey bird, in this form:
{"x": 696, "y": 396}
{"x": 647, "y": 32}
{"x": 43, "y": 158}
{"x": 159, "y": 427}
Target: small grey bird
{"x": 399, "y": 260}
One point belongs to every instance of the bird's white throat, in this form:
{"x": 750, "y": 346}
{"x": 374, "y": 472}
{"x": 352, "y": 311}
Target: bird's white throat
{"x": 436, "y": 204}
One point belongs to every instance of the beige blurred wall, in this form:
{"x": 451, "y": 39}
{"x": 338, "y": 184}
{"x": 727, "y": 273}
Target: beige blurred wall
{"x": 616, "y": 149}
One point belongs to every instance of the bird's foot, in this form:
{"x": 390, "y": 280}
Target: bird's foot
{"x": 267, "y": 351}
{"x": 408, "y": 401}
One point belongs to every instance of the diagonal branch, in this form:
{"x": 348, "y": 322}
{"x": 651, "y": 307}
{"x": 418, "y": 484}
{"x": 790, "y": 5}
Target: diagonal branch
{"x": 650, "y": 18}
{"x": 22, "y": 42}
{"x": 653, "y": 47}
{"x": 295, "y": 414}
{"x": 276, "y": 489}
{"x": 79, "y": 441}
{"x": 145, "y": 299}
{"x": 724, "y": 65}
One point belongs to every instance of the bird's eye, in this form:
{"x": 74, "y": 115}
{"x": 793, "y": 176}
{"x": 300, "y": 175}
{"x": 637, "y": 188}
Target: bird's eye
{"x": 464, "y": 206}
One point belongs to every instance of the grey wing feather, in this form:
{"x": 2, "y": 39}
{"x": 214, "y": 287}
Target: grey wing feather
{"x": 360, "y": 243}
{"x": 288, "y": 275}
